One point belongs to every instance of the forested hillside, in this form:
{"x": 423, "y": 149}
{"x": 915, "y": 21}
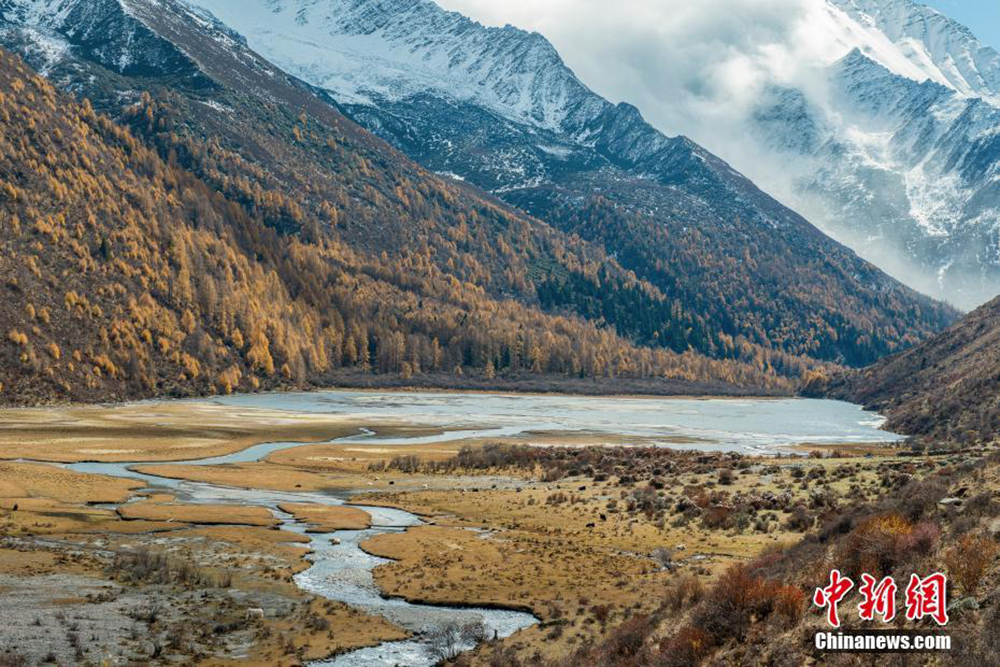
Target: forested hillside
{"x": 743, "y": 276}
{"x": 309, "y": 178}
{"x": 125, "y": 275}
{"x": 730, "y": 290}
{"x": 947, "y": 388}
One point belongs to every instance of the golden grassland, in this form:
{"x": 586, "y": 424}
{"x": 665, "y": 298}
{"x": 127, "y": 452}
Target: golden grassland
{"x": 348, "y": 629}
{"x": 561, "y": 562}
{"x": 164, "y": 509}
{"x": 20, "y": 481}
{"x": 327, "y": 518}
{"x": 47, "y": 517}
{"x": 570, "y": 553}
{"x": 259, "y": 560}
{"x": 57, "y": 504}
{"x": 570, "y": 549}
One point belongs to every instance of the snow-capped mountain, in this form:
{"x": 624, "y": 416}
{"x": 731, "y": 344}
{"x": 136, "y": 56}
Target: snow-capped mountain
{"x": 499, "y": 108}
{"x": 908, "y": 184}
{"x": 734, "y": 271}
{"x": 393, "y": 63}
{"x": 369, "y": 50}
{"x": 898, "y": 154}
{"x": 919, "y": 42}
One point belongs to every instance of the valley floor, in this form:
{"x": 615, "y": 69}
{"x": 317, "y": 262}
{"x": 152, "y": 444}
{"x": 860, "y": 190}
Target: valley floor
{"x": 586, "y": 539}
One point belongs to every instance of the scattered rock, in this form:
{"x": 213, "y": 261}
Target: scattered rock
{"x": 965, "y": 604}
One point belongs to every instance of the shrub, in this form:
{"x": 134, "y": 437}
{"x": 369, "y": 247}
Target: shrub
{"x": 967, "y": 561}
{"x": 663, "y": 556}
{"x": 144, "y": 567}
{"x": 443, "y": 642}
{"x": 800, "y": 520}
{"x": 601, "y": 613}
{"x": 874, "y": 545}
{"x": 981, "y": 504}
{"x": 628, "y": 640}
{"x": 406, "y": 464}
{"x": 687, "y": 591}
{"x": 688, "y": 647}
{"x": 920, "y": 541}
{"x": 789, "y": 603}
{"x": 920, "y": 498}
{"x": 738, "y": 598}
{"x": 716, "y": 517}
{"x": 475, "y": 633}
{"x": 17, "y": 337}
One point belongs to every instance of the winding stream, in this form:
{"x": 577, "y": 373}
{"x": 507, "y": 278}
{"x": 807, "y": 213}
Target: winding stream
{"x": 343, "y": 571}
{"x": 340, "y": 571}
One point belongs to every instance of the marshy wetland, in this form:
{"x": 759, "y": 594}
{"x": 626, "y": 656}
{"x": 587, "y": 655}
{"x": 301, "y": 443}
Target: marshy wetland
{"x": 382, "y": 528}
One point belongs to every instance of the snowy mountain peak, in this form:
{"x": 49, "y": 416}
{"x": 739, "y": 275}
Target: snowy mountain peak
{"x": 921, "y": 43}
{"x": 108, "y": 31}
{"x": 394, "y": 49}
{"x": 899, "y": 155}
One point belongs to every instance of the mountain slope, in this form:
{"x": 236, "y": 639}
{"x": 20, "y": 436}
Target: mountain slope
{"x": 127, "y": 275}
{"x": 919, "y": 42}
{"x": 947, "y": 387}
{"x": 264, "y": 139}
{"x": 892, "y": 145}
{"x": 499, "y": 108}
{"x": 905, "y": 171}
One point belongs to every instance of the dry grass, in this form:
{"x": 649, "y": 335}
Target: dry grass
{"x": 45, "y": 517}
{"x": 198, "y": 514}
{"x": 560, "y": 580}
{"x": 23, "y": 480}
{"x": 246, "y": 476}
{"x": 328, "y": 518}
{"x": 325, "y": 629}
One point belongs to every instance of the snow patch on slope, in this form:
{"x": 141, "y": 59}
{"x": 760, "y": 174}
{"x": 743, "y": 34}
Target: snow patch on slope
{"x": 395, "y": 49}
{"x": 918, "y": 42}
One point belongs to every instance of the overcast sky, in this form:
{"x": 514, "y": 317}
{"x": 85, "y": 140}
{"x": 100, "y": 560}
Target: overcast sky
{"x": 691, "y": 66}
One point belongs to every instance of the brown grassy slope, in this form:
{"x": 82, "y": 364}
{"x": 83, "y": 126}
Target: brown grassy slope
{"x": 947, "y": 387}
{"x": 123, "y": 275}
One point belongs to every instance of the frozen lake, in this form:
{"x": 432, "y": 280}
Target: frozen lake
{"x": 748, "y": 425}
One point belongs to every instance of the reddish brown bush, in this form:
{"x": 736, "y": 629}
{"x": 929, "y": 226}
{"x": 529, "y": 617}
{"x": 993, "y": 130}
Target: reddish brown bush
{"x": 687, "y": 591}
{"x": 627, "y": 643}
{"x": 738, "y": 599}
{"x": 874, "y": 546}
{"x": 789, "y": 603}
{"x": 918, "y": 542}
{"x": 715, "y": 518}
{"x": 800, "y": 520}
{"x": 688, "y": 647}
{"x": 968, "y": 560}
{"x": 601, "y": 613}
